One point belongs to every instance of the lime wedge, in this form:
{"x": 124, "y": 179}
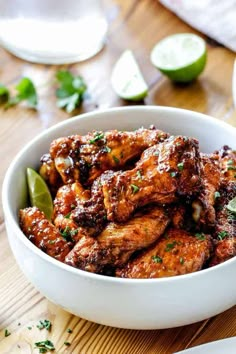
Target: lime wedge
{"x": 181, "y": 57}
{"x": 231, "y": 206}
{"x": 126, "y": 78}
{"x": 39, "y": 193}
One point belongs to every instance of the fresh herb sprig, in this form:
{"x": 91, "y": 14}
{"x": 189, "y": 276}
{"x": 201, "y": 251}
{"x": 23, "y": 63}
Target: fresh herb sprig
{"x": 71, "y": 91}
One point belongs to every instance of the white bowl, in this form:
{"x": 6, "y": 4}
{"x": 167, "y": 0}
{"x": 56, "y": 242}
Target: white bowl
{"x": 126, "y": 303}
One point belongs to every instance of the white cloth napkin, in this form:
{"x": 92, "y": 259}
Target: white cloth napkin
{"x": 215, "y": 18}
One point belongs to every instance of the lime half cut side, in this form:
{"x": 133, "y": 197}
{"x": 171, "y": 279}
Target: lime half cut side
{"x": 127, "y": 79}
{"x": 39, "y": 193}
{"x": 181, "y": 57}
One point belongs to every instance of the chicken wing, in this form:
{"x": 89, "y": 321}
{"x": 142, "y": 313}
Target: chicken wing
{"x": 225, "y": 229}
{"x": 49, "y": 173}
{"x": 164, "y": 172}
{"x": 178, "y": 252}
{"x": 84, "y": 158}
{"x": 117, "y": 242}
{"x": 203, "y": 206}
{"x": 44, "y": 234}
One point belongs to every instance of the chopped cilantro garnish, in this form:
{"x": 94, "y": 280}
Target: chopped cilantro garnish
{"x": 222, "y": 234}
{"x": 97, "y": 136}
{"x": 139, "y": 175}
{"x": 68, "y": 234}
{"x": 173, "y": 174}
{"x": 217, "y": 194}
{"x": 7, "y": 333}
{"x": 29, "y": 328}
{"x": 231, "y": 168}
{"x": 44, "y": 324}
{"x": 181, "y": 260}
{"x": 107, "y": 149}
{"x": 230, "y": 162}
{"x": 180, "y": 166}
{"x": 116, "y": 159}
{"x": 69, "y": 330}
{"x": 45, "y": 344}
{"x": 135, "y": 188}
{"x": 67, "y": 343}
{"x": 200, "y": 236}
{"x": 157, "y": 259}
{"x": 170, "y": 246}
{"x": 67, "y": 216}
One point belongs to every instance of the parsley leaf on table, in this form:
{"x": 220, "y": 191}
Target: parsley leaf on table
{"x": 26, "y": 92}
{"x": 71, "y": 92}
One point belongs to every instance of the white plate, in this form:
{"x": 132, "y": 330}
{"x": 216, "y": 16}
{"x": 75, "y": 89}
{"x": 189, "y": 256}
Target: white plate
{"x": 224, "y": 346}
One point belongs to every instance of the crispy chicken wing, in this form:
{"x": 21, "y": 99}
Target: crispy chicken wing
{"x": 203, "y": 206}
{"x": 178, "y": 252}
{"x": 164, "y": 172}
{"x": 49, "y": 173}
{"x": 225, "y": 230}
{"x": 117, "y": 242}
{"x": 84, "y": 158}
{"x": 43, "y": 233}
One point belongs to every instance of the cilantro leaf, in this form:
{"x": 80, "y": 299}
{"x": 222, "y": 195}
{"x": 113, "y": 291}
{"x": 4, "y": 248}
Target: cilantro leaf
{"x": 71, "y": 92}
{"x": 26, "y": 92}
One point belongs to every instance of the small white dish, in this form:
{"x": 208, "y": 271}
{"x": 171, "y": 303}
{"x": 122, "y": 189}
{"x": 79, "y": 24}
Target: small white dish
{"x": 223, "y": 346}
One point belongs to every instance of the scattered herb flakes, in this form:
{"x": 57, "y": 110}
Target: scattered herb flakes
{"x": 170, "y": 246}
{"x": 45, "y": 344}
{"x": 26, "y": 92}
{"x": 71, "y": 92}
{"x": 67, "y": 344}
{"x": 73, "y": 206}
{"x": 44, "y": 324}
{"x": 107, "y": 149}
{"x": 156, "y": 153}
{"x": 180, "y": 166}
{"x": 7, "y": 333}
{"x": 231, "y": 168}
{"x": 69, "y": 330}
{"x": 115, "y": 159}
{"x": 217, "y": 194}
{"x": 67, "y": 216}
{"x": 139, "y": 175}
{"x": 200, "y": 236}
{"x": 157, "y": 259}
{"x": 173, "y": 174}
{"x": 51, "y": 242}
{"x": 43, "y": 350}
{"x": 135, "y": 188}
{"x": 29, "y": 328}
{"x": 230, "y": 162}
{"x": 68, "y": 234}
{"x": 222, "y": 234}
{"x": 97, "y": 136}
{"x": 181, "y": 260}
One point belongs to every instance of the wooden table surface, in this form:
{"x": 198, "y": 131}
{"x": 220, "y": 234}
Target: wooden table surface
{"x": 138, "y": 25}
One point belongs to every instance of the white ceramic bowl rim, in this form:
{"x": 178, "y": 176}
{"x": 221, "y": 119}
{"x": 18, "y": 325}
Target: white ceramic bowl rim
{"x": 65, "y": 267}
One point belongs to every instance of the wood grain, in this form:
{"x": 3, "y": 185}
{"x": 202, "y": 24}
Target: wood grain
{"x": 137, "y": 25}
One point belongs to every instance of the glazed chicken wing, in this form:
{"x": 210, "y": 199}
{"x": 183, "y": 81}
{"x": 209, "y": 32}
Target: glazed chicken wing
{"x": 178, "y": 252}
{"x": 225, "y": 230}
{"x": 164, "y": 172}
{"x": 84, "y": 158}
{"x": 117, "y": 242}
{"x": 43, "y": 233}
{"x": 203, "y": 206}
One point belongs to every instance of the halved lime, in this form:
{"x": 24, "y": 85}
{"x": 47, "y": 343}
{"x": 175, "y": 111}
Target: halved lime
{"x": 126, "y": 78}
{"x": 231, "y": 206}
{"x": 182, "y": 57}
{"x": 39, "y": 193}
